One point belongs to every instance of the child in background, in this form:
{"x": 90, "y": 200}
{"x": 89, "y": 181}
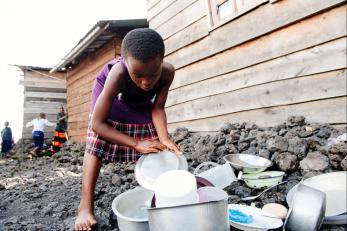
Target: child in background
{"x": 39, "y": 125}
{"x": 6, "y": 137}
{"x": 128, "y": 116}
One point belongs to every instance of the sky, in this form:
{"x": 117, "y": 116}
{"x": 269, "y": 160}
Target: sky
{"x": 40, "y": 33}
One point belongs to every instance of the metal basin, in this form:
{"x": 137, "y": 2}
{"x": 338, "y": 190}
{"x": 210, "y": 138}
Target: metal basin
{"x": 208, "y": 216}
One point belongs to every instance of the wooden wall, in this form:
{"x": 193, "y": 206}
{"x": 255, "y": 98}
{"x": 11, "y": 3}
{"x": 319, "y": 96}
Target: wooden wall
{"x": 79, "y": 85}
{"x": 279, "y": 59}
{"x": 42, "y": 94}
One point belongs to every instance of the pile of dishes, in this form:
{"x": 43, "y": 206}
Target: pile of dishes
{"x": 253, "y": 172}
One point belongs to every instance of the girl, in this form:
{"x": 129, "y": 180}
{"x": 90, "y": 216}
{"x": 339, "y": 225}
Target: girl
{"x": 128, "y": 116}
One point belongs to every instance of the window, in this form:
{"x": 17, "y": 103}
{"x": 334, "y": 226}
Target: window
{"x": 222, "y": 11}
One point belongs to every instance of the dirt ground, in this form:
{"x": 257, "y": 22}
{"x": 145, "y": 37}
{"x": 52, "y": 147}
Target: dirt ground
{"x": 43, "y": 193}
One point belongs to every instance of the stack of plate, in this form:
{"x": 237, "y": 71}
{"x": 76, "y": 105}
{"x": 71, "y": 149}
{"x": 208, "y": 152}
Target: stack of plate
{"x": 149, "y": 167}
{"x": 334, "y": 186}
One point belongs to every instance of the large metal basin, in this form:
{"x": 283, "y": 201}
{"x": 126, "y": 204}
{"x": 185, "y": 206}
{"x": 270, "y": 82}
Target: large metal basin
{"x": 208, "y": 216}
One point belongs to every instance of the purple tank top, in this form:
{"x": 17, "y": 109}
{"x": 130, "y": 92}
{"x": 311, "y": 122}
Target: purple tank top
{"x": 133, "y": 106}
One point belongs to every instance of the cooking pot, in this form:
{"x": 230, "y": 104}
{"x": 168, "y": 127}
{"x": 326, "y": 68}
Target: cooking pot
{"x": 306, "y": 212}
{"x": 208, "y": 216}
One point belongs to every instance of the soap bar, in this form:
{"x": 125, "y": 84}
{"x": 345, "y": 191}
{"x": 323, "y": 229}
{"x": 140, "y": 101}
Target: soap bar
{"x": 276, "y": 209}
{"x": 238, "y": 216}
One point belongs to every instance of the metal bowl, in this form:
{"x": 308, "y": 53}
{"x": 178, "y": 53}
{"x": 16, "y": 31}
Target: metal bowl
{"x": 263, "y": 179}
{"x": 248, "y": 163}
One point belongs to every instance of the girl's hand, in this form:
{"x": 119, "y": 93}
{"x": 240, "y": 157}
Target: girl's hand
{"x": 171, "y": 146}
{"x": 148, "y": 146}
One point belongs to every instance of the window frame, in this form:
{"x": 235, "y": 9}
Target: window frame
{"x": 213, "y": 18}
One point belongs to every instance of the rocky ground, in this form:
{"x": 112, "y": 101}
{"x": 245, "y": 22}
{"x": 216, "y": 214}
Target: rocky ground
{"x": 43, "y": 193}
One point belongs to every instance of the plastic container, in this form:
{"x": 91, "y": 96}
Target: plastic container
{"x": 174, "y": 188}
{"x": 220, "y": 176}
{"x": 131, "y": 207}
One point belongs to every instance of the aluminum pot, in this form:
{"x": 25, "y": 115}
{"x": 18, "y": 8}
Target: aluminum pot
{"x": 306, "y": 212}
{"x": 131, "y": 207}
{"x": 208, "y": 216}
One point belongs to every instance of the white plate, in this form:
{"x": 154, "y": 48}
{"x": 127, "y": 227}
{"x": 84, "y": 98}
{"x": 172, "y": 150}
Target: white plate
{"x": 260, "y": 220}
{"x": 333, "y": 185}
{"x": 146, "y": 171}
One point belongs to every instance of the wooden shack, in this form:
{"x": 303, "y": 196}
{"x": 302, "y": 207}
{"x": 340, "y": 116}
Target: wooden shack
{"x": 253, "y": 60}
{"x": 43, "y": 92}
{"x": 81, "y": 65}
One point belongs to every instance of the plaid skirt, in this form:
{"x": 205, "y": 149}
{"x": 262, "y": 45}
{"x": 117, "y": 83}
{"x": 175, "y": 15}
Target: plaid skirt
{"x": 109, "y": 152}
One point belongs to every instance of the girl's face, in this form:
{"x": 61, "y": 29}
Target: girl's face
{"x": 145, "y": 75}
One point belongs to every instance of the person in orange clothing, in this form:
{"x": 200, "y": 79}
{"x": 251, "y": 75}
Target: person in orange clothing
{"x": 60, "y": 136}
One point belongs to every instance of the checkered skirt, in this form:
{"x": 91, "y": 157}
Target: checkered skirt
{"x": 109, "y": 152}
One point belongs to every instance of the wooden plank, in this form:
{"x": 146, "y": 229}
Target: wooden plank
{"x": 159, "y": 8}
{"x": 326, "y": 57}
{"x": 43, "y": 104}
{"x": 272, "y": 17}
{"x": 168, "y": 12}
{"x": 45, "y": 95}
{"x": 308, "y": 33}
{"x": 296, "y": 90}
{"x": 332, "y": 111}
{"x": 38, "y": 110}
{"x": 44, "y": 84}
{"x": 183, "y": 19}
{"x": 187, "y": 36}
{"x": 152, "y": 3}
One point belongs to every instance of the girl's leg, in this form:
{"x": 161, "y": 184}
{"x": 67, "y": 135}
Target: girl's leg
{"x": 91, "y": 168}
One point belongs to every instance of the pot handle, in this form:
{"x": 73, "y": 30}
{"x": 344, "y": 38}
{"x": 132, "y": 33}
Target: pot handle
{"x": 204, "y": 164}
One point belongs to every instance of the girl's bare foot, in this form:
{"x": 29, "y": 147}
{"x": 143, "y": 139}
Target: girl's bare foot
{"x": 85, "y": 220}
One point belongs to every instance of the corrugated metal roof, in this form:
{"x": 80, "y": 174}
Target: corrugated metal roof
{"x": 30, "y": 68}
{"x": 100, "y": 34}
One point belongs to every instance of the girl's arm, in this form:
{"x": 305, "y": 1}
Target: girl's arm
{"x": 158, "y": 111}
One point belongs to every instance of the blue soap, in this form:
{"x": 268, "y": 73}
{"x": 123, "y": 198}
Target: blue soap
{"x": 238, "y": 216}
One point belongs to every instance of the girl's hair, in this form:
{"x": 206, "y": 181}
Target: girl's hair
{"x": 143, "y": 44}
